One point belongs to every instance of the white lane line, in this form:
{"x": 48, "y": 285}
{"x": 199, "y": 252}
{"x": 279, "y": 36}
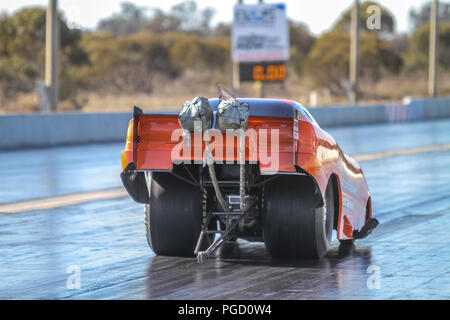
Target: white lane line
{"x": 400, "y": 152}
{"x": 79, "y": 198}
{"x": 60, "y": 201}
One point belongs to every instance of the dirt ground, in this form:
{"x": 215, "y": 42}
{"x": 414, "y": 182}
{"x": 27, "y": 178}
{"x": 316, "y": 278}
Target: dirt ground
{"x": 172, "y": 95}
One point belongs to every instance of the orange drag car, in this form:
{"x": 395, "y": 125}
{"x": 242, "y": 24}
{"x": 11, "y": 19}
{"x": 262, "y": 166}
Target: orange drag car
{"x": 275, "y": 177}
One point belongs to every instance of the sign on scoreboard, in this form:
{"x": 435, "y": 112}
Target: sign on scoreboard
{"x": 260, "y": 41}
{"x": 262, "y": 71}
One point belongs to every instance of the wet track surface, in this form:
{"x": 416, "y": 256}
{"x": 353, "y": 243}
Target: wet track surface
{"x": 106, "y": 239}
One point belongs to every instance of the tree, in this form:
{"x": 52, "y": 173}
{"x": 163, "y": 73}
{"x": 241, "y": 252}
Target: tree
{"x": 417, "y": 57}
{"x": 191, "y": 52}
{"x": 185, "y": 51}
{"x": 301, "y": 43}
{"x": 162, "y": 23}
{"x": 328, "y": 61}
{"x": 222, "y": 30}
{"x": 29, "y": 36}
{"x": 191, "y": 18}
{"x": 22, "y": 51}
{"x": 387, "y": 19}
{"x": 16, "y": 75}
{"x": 128, "y": 64}
{"x": 400, "y": 44}
{"x": 130, "y": 20}
{"x": 422, "y": 16}
{"x": 7, "y": 33}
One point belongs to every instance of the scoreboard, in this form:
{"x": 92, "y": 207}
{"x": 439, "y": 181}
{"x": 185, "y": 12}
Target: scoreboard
{"x": 263, "y": 72}
{"x": 260, "y": 42}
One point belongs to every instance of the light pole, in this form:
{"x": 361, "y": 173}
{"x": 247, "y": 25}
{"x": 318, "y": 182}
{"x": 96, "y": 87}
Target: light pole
{"x": 51, "y": 55}
{"x": 433, "y": 54}
{"x": 354, "y": 54}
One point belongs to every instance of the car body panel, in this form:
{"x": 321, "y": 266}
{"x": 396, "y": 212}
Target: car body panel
{"x": 160, "y": 143}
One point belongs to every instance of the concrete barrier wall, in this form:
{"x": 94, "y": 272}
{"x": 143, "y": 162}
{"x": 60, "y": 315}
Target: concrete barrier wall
{"x": 21, "y": 131}
{"x": 430, "y": 108}
{"x": 41, "y": 130}
{"x": 345, "y": 116}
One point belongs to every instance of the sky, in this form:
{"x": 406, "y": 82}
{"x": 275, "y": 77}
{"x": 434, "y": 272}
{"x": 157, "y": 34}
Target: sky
{"x": 319, "y": 15}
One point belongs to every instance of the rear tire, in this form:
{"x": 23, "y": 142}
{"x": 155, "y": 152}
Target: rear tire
{"x": 292, "y": 226}
{"x": 173, "y": 216}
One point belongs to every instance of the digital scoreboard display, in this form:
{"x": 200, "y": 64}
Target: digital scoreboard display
{"x": 263, "y": 71}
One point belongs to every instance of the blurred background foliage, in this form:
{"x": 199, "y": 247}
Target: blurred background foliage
{"x": 140, "y": 51}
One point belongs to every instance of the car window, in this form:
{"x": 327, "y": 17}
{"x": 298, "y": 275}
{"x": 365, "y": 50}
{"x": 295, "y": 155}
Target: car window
{"x": 306, "y": 113}
{"x": 310, "y": 116}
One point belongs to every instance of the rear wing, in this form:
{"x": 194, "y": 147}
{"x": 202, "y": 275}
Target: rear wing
{"x": 157, "y": 142}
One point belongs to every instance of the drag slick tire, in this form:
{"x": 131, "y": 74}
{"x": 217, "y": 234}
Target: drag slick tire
{"x": 173, "y": 216}
{"x": 292, "y": 225}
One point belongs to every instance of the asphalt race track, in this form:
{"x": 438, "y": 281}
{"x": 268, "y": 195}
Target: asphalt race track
{"x": 407, "y": 256}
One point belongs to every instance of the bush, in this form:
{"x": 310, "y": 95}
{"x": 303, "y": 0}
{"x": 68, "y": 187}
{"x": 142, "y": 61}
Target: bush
{"x": 16, "y": 75}
{"x": 327, "y": 64}
{"x": 387, "y": 19}
{"x": 419, "y": 43}
{"x": 301, "y": 43}
{"x": 22, "y": 53}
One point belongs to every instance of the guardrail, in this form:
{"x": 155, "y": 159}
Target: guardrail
{"x": 42, "y": 130}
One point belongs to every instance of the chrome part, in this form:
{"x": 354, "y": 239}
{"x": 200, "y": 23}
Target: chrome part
{"x": 234, "y": 199}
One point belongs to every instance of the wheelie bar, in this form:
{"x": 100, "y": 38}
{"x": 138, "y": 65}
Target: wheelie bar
{"x": 226, "y": 235}
{"x": 231, "y": 228}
